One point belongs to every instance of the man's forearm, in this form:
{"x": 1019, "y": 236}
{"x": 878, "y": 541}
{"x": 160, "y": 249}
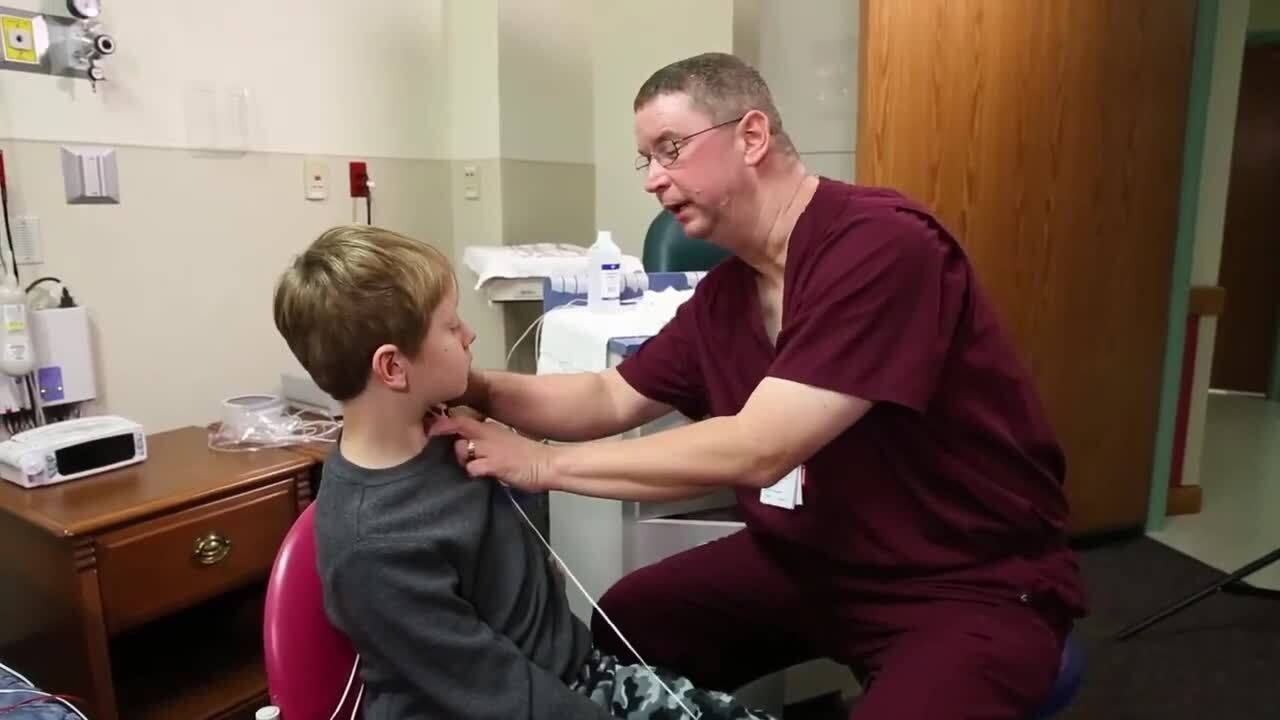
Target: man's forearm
{"x": 713, "y": 453}
{"x": 624, "y": 489}
{"x": 565, "y": 408}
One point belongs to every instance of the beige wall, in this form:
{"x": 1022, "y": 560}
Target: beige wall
{"x": 471, "y": 70}
{"x": 472, "y": 105}
{"x": 536, "y": 201}
{"x": 528, "y": 130}
{"x": 434, "y": 89}
{"x": 177, "y": 278}
{"x": 626, "y": 48}
{"x": 544, "y": 80}
{"x": 807, "y": 52}
{"x": 808, "y": 56}
{"x": 285, "y": 53}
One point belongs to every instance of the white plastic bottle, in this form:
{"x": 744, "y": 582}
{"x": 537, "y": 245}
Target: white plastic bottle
{"x": 604, "y": 279}
{"x": 16, "y": 358}
{"x": 270, "y": 712}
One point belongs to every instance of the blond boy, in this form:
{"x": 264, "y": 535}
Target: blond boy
{"x": 444, "y": 591}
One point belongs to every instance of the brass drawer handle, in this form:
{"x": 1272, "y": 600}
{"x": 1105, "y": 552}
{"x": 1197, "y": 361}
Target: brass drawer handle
{"x": 211, "y": 549}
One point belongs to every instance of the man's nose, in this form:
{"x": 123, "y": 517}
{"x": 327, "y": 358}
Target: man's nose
{"x": 655, "y": 177}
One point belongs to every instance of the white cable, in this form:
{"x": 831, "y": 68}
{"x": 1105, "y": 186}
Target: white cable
{"x": 347, "y": 690}
{"x": 16, "y": 674}
{"x": 37, "y": 693}
{"x": 355, "y": 709}
{"x": 537, "y": 338}
{"x": 595, "y": 605}
{"x": 537, "y": 345}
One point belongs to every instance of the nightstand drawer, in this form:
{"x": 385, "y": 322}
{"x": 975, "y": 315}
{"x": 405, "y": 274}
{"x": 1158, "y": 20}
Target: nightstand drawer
{"x": 156, "y": 567}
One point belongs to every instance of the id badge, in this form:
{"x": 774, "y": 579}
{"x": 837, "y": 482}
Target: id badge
{"x": 787, "y": 493}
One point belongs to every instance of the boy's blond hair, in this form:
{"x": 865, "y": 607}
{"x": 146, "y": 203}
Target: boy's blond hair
{"x": 356, "y": 288}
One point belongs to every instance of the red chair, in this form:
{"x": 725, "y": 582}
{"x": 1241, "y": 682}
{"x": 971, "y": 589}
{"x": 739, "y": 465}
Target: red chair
{"x": 310, "y": 665}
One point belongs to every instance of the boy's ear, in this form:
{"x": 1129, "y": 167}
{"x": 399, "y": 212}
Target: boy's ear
{"x": 389, "y": 368}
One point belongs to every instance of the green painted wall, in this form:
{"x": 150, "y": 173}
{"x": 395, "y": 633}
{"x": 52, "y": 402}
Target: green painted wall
{"x": 1184, "y": 247}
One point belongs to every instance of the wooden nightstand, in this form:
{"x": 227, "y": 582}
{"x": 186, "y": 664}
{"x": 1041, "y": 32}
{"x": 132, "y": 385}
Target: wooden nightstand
{"x": 141, "y": 590}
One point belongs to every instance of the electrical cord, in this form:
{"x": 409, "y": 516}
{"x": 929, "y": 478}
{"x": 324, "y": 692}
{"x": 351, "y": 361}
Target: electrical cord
{"x": 39, "y": 697}
{"x": 8, "y": 231}
{"x": 65, "y": 301}
{"x": 596, "y": 606}
{"x": 351, "y": 681}
{"x": 39, "y": 281}
{"x": 537, "y": 336}
{"x": 64, "y": 699}
{"x": 37, "y": 412}
{"x": 369, "y": 185}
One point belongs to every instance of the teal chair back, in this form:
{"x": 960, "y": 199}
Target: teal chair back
{"x": 668, "y": 249}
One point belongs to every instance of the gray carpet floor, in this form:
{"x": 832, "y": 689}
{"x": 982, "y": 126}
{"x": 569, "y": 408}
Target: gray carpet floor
{"x": 1217, "y": 660}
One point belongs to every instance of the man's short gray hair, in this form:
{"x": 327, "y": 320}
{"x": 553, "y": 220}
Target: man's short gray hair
{"x": 721, "y": 85}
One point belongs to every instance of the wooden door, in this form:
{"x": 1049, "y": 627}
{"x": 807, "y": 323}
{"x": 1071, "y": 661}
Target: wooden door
{"x": 1245, "y": 341}
{"x": 1048, "y": 137}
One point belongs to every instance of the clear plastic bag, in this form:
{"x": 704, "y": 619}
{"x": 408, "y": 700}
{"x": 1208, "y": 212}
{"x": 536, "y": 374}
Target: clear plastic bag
{"x": 254, "y": 422}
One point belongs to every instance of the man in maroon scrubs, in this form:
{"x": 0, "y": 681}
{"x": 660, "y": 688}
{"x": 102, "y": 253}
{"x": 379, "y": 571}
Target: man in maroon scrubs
{"x": 901, "y": 487}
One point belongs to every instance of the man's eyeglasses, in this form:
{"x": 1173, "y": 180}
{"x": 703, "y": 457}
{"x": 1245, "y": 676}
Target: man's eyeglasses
{"x": 666, "y": 151}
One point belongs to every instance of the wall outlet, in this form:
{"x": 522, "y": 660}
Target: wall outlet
{"x": 315, "y": 179}
{"x": 471, "y": 182}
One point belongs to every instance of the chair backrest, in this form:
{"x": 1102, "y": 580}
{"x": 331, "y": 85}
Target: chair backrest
{"x": 668, "y": 249}
{"x": 309, "y": 662}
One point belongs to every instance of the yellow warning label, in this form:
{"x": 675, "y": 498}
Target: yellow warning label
{"x": 19, "y": 37}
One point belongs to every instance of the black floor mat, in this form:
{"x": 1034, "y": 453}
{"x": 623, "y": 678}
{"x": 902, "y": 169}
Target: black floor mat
{"x": 1217, "y": 660}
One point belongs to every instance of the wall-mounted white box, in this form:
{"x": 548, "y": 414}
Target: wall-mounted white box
{"x": 90, "y": 175}
{"x": 64, "y": 356}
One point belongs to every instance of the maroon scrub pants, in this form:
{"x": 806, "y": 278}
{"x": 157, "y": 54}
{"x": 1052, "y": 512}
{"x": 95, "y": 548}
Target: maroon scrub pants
{"x": 728, "y": 612}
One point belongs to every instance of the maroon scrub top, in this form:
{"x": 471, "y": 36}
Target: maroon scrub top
{"x": 951, "y": 486}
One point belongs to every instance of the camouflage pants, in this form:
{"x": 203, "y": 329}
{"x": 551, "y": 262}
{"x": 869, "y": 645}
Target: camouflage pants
{"x": 629, "y": 691}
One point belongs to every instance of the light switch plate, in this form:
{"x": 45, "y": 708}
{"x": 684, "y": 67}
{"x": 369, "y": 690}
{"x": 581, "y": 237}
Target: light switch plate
{"x": 90, "y": 175}
{"x": 315, "y": 179}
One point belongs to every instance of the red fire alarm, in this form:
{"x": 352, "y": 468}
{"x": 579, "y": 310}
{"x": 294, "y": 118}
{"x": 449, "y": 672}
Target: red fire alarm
{"x": 359, "y": 173}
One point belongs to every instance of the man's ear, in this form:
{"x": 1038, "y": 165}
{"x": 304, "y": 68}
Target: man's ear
{"x": 388, "y": 367}
{"x": 756, "y": 136}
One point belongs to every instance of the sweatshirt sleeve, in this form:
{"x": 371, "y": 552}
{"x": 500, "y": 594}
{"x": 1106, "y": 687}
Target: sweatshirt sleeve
{"x": 402, "y": 599}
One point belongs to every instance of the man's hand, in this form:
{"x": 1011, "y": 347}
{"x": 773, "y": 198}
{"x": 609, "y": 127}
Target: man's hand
{"x": 440, "y": 412}
{"x": 488, "y": 449}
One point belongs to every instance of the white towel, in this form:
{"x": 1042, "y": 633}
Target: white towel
{"x": 532, "y": 261}
{"x": 575, "y": 339}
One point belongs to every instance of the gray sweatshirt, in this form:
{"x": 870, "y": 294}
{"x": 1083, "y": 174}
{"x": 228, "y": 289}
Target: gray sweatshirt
{"x": 446, "y": 594}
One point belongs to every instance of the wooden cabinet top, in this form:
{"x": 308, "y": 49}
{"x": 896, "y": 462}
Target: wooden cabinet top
{"x": 180, "y": 470}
